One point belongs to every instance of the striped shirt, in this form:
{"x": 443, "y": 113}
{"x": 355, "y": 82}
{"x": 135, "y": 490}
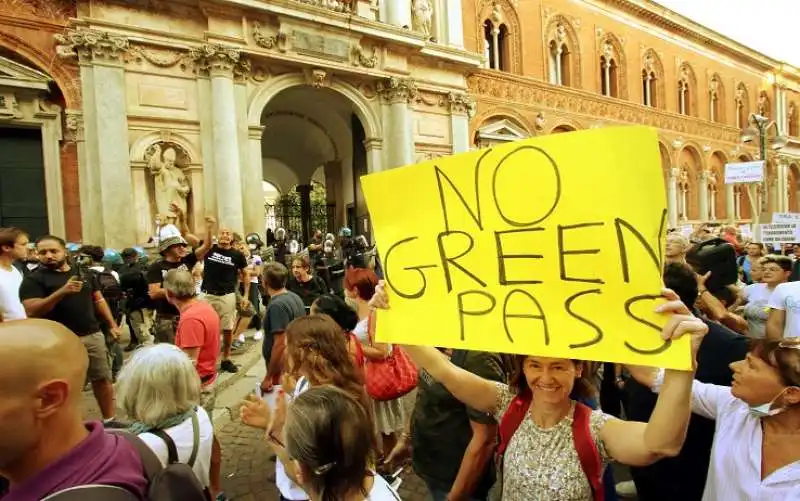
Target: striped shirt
{"x": 734, "y": 473}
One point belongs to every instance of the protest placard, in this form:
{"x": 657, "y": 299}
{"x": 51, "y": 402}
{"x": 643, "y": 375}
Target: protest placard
{"x": 744, "y": 172}
{"x": 786, "y": 217}
{"x": 550, "y": 246}
{"x": 780, "y": 233}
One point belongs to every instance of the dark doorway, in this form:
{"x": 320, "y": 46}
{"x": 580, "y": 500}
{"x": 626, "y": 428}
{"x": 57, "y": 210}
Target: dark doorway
{"x": 23, "y": 202}
{"x": 360, "y": 225}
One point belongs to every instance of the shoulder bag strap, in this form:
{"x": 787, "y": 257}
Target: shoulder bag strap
{"x": 172, "y": 451}
{"x": 195, "y": 439}
{"x": 588, "y": 454}
{"x": 150, "y": 462}
{"x": 93, "y": 493}
{"x": 512, "y": 419}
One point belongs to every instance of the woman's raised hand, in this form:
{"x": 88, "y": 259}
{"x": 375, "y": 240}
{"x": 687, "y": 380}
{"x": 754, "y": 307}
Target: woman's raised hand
{"x": 682, "y": 322}
{"x": 256, "y": 413}
{"x": 380, "y": 300}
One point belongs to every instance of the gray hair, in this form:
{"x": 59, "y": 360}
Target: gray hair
{"x": 158, "y": 382}
{"x": 180, "y": 284}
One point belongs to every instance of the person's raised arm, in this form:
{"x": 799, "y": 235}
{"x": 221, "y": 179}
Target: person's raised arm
{"x": 641, "y": 444}
{"x": 200, "y": 252}
{"x": 183, "y": 226}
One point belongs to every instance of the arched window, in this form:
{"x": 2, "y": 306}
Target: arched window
{"x": 652, "y": 80}
{"x": 742, "y": 101}
{"x": 687, "y": 84}
{"x": 563, "y": 55}
{"x": 610, "y": 76}
{"x": 792, "y": 119}
{"x": 495, "y": 37}
{"x": 716, "y": 96}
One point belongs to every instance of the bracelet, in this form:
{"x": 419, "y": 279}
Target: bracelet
{"x": 275, "y": 440}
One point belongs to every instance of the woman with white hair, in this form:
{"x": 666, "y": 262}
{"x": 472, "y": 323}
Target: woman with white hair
{"x": 159, "y": 389}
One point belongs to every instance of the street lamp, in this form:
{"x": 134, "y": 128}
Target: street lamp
{"x": 759, "y": 129}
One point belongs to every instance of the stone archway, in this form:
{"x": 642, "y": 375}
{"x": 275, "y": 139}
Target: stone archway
{"x": 717, "y": 190}
{"x": 564, "y": 127}
{"x": 690, "y": 167}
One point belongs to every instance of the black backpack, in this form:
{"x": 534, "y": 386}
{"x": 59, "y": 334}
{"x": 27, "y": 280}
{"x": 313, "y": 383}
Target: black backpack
{"x": 111, "y": 290}
{"x": 174, "y": 482}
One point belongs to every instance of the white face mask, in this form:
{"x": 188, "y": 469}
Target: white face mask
{"x": 766, "y": 410}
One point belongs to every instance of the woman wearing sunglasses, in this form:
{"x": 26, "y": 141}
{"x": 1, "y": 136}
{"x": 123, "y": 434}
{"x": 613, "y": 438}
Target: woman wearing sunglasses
{"x": 756, "y": 452}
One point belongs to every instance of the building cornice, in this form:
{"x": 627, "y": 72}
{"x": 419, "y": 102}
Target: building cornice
{"x": 653, "y": 13}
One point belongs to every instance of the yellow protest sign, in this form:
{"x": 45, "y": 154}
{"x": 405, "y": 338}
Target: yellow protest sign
{"x": 550, "y": 246}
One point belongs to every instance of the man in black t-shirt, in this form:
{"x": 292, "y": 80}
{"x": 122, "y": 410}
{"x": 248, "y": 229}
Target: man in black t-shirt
{"x": 70, "y": 296}
{"x": 223, "y": 268}
{"x": 176, "y": 255}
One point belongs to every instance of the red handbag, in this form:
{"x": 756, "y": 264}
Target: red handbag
{"x": 392, "y": 377}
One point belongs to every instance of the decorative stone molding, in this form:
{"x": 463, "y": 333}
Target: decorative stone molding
{"x": 219, "y": 60}
{"x": 73, "y": 126}
{"x": 91, "y": 45}
{"x": 270, "y": 42}
{"x": 9, "y": 107}
{"x": 317, "y": 78}
{"x": 460, "y": 104}
{"x": 57, "y": 10}
{"x": 161, "y": 58}
{"x": 363, "y": 58}
{"x": 536, "y": 95}
{"x": 397, "y": 90}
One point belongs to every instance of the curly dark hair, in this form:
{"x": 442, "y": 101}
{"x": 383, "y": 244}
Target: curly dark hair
{"x": 583, "y": 390}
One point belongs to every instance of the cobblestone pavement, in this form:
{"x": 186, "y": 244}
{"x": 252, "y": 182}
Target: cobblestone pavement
{"x": 248, "y": 468}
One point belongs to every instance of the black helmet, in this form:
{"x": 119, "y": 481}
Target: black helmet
{"x": 254, "y": 241}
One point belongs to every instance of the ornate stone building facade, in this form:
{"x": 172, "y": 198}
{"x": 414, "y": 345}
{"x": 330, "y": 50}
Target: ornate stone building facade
{"x": 146, "y": 102}
{"x": 553, "y": 66}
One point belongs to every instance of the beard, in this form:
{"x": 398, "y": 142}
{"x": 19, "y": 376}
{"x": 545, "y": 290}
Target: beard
{"x": 55, "y": 265}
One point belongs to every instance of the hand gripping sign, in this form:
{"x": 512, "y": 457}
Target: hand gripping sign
{"x": 550, "y": 246}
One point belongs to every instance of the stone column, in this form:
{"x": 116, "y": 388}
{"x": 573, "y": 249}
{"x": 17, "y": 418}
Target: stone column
{"x": 107, "y": 188}
{"x": 374, "y": 147}
{"x": 256, "y": 218}
{"x": 703, "y": 188}
{"x": 782, "y": 171}
{"x": 396, "y": 93}
{"x": 209, "y": 191}
{"x": 398, "y": 13}
{"x": 461, "y": 109}
{"x": 455, "y": 23}
{"x": 672, "y": 197}
{"x": 221, "y": 63}
{"x": 730, "y": 203}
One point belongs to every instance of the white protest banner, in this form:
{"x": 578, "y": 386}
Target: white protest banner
{"x": 747, "y": 231}
{"x": 786, "y": 217}
{"x": 744, "y": 172}
{"x": 779, "y": 233}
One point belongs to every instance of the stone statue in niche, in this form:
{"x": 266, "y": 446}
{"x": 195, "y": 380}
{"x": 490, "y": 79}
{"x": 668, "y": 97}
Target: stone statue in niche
{"x": 422, "y": 11}
{"x": 171, "y": 184}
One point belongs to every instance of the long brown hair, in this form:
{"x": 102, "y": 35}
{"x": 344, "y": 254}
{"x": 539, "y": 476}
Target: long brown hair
{"x": 317, "y": 350}
{"x": 583, "y": 390}
{"x": 329, "y": 433}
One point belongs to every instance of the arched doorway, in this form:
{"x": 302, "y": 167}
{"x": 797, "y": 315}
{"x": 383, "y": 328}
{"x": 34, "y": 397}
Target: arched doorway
{"x": 717, "y": 193}
{"x": 690, "y": 166}
{"x": 316, "y": 132}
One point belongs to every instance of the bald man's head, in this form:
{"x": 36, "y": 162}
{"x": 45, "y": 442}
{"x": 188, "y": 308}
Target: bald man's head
{"x": 44, "y": 368}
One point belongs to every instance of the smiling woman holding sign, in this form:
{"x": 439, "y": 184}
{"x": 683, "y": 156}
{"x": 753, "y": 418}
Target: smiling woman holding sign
{"x": 553, "y": 448}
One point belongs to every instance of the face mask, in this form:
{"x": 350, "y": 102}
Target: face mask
{"x": 765, "y": 410}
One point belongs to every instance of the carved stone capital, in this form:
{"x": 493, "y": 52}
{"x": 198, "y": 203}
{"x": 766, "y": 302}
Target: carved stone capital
{"x": 461, "y": 104}
{"x": 73, "y": 126}
{"x": 397, "y": 90}
{"x": 218, "y": 60}
{"x": 91, "y": 46}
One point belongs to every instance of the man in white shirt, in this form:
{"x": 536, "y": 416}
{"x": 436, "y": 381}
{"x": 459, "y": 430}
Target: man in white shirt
{"x": 13, "y": 246}
{"x": 784, "y": 314}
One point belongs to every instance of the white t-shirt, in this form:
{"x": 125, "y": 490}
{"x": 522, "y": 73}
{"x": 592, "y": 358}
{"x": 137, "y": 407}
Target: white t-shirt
{"x": 10, "y": 305}
{"x": 756, "y": 310}
{"x": 286, "y": 486}
{"x": 382, "y": 491}
{"x": 786, "y": 297}
{"x": 183, "y": 436}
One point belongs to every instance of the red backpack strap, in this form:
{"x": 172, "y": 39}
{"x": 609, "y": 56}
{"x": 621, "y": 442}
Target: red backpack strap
{"x": 512, "y": 418}
{"x": 588, "y": 454}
